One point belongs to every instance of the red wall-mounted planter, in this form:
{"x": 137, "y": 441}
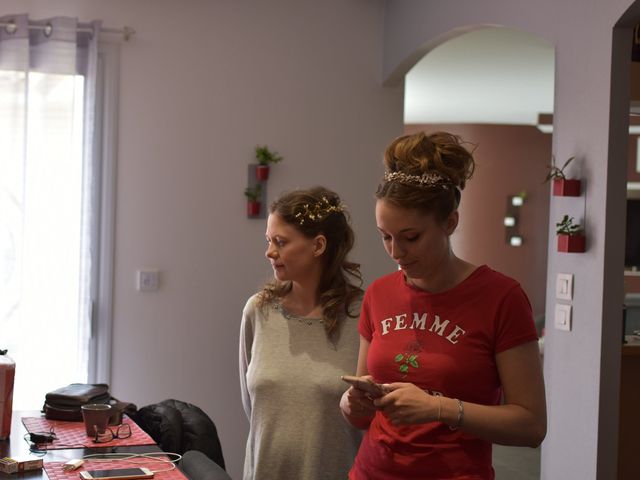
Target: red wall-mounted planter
{"x": 253, "y": 209}
{"x": 262, "y": 173}
{"x": 571, "y": 243}
{"x": 566, "y": 188}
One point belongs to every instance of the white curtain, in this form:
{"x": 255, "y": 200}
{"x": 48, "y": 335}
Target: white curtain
{"x": 48, "y": 195}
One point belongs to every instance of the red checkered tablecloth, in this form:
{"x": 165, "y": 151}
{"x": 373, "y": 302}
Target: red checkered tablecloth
{"x": 73, "y": 435}
{"x": 54, "y": 469}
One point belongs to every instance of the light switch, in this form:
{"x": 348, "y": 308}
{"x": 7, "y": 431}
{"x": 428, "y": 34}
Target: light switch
{"x": 563, "y": 317}
{"x": 148, "y": 280}
{"x": 564, "y": 286}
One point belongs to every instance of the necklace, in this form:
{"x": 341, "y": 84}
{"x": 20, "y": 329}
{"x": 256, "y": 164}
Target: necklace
{"x": 291, "y": 316}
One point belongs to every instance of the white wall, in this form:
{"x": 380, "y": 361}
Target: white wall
{"x": 590, "y": 111}
{"x": 201, "y": 83}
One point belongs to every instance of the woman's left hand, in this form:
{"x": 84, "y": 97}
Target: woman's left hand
{"x": 406, "y": 404}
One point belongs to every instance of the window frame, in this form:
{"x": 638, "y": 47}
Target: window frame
{"x": 103, "y": 229}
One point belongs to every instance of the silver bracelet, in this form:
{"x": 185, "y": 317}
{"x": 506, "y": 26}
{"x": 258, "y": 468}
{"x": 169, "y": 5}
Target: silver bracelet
{"x": 460, "y": 415}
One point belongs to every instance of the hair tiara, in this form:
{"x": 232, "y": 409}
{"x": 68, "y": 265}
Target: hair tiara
{"x": 426, "y": 180}
{"x": 315, "y": 212}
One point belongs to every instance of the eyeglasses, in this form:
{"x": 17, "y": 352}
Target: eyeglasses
{"x": 123, "y": 431}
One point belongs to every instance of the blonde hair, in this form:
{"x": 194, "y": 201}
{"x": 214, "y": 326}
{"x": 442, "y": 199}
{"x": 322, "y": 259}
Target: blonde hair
{"x": 420, "y": 154}
{"x": 337, "y": 292}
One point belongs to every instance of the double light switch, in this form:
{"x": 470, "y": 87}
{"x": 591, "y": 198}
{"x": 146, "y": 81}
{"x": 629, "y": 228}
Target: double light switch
{"x": 564, "y": 291}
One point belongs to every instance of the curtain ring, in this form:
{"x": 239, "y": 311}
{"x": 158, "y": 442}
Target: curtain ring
{"x": 11, "y": 27}
{"x": 48, "y": 28}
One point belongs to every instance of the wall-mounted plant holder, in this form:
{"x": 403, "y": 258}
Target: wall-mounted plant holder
{"x": 253, "y": 208}
{"x": 571, "y": 238}
{"x": 265, "y": 158}
{"x": 262, "y": 172}
{"x": 256, "y": 191}
{"x": 572, "y": 243}
{"x": 256, "y": 194}
{"x": 563, "y": 187}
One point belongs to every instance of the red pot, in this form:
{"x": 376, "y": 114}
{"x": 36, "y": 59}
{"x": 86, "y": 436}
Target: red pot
{"x": 262, "y": 172}
{"x": 566, "y": 188}
{"x": 571, "y": 243}
{"x": 253, "y": 208}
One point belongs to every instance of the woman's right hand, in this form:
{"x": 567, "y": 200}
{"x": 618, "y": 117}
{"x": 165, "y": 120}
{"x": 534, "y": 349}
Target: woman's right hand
{"x": 356, "y": 403}
{"x": 356, "y": 407}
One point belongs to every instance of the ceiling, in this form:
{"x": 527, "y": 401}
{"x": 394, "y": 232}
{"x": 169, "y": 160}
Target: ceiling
{"x": 492, "y": 75}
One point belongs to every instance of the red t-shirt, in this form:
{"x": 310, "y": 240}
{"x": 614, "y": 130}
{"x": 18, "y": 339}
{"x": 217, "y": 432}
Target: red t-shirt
{"x": 445, "y": 343}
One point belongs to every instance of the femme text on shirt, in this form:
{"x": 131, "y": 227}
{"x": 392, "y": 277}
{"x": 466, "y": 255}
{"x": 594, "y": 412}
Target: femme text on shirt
{"x": 444, "y": 328}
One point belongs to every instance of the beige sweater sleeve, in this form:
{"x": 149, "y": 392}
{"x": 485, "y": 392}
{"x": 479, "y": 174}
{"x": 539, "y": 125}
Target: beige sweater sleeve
{"x": 246, "y": 344}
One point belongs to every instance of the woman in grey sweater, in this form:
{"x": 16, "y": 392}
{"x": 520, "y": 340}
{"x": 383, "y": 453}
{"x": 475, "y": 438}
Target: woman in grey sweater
{"x": 298, "y": 336}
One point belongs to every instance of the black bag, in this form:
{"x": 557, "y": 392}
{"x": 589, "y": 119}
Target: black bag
{"x": 64, "y": 403}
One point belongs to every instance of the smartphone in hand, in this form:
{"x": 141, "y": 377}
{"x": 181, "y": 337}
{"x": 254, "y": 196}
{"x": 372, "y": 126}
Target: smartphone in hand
{"x": 371, "y": 388}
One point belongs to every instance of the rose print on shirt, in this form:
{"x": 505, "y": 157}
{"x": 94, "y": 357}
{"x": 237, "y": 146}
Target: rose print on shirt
{"x": 409, "y": 358}
{"x": 406, "y": 361}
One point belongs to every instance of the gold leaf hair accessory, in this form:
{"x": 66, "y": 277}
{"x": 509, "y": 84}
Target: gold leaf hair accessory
{"x": 425, "y": 180}
{"x": 317, "y": 211}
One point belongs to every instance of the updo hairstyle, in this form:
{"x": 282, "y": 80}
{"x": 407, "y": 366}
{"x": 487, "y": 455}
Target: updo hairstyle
{"x": 441, "y": 154}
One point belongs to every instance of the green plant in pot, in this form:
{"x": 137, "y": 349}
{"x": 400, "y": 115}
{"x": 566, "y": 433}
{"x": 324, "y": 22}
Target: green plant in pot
{"x": 265, "y": 158}
{"x": 571, "y": 237}
{"x": 562, "y": 186}
{"x": 253, "y": 199}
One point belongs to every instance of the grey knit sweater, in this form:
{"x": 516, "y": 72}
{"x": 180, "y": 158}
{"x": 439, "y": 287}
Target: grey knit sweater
{"x": 291, "y": 388}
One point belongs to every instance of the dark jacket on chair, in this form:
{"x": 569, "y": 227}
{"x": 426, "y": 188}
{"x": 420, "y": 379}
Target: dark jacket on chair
{"x": 179, "y": 426}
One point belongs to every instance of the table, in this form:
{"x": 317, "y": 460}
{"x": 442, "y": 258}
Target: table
{"x": 16, "y": 447}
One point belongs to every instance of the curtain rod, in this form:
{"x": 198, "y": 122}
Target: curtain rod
{"x": 127, "y": 32}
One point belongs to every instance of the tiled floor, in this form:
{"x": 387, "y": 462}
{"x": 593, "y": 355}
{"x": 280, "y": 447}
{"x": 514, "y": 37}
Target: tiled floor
{"x": 516, "y": 463}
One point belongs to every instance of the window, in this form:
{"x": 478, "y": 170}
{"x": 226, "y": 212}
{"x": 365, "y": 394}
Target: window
{"x": 56, "y": 227}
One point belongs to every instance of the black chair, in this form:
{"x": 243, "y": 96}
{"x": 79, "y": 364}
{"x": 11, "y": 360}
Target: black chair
{"x": 179, "y": 427}
{"x": 197, "y": 466}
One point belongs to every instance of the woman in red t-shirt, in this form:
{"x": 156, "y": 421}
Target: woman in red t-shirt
{"x": 454, "y": 344}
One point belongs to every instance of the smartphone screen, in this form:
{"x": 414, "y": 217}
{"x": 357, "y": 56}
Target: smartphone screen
{"x": 117, "y": 473}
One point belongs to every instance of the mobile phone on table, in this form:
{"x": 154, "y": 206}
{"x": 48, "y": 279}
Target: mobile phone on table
{"x": 373, "y": 389}
{"x": 116, "y": 474}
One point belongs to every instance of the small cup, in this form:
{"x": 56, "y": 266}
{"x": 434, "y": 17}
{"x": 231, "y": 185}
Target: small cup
{"x": 96, "y": 417}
